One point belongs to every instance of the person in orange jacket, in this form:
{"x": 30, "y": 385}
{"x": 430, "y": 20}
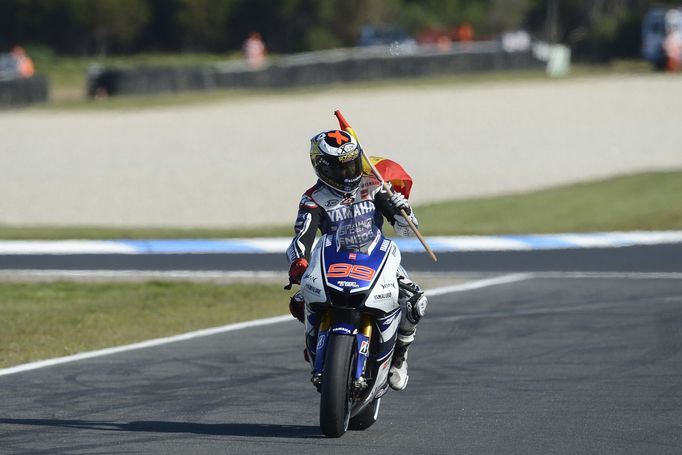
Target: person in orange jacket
{"x": 23, "y": 62}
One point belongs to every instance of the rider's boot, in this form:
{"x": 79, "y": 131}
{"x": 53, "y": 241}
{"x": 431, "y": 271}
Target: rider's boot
{"x": 397, "y": 375}
{"x": 297, "y": 306}
{"x": 413, "y": 305}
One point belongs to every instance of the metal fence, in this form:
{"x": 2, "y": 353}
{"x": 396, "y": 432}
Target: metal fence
{"x": 23, "y": 91}
{"x": 314, "y": 68}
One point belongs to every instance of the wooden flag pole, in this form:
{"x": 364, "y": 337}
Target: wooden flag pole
{"x": 346, "y": 127}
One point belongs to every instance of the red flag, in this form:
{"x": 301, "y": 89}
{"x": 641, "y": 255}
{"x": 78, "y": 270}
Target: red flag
{"x": 392, "y": 172}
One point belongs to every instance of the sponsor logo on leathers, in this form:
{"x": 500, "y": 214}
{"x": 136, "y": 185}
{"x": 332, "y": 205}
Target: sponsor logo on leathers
{"x": 355, "y": 210}
{"x": 313, "y": 289}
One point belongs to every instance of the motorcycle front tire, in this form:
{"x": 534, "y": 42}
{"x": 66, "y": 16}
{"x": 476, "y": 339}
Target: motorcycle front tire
{"x": 335, "y": 402}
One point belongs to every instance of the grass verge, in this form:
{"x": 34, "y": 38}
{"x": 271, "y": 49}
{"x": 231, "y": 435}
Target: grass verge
{"x": 100, "y": 233}
{"x": 46, "y": 320}
{"x": 645, "y": 201}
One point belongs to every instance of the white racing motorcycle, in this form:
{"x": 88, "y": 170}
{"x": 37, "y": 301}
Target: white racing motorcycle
{"x": 351, "y": 284}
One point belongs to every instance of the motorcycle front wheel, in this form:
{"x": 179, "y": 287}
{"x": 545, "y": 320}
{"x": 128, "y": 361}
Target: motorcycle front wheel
{"x": 335, "y": 402}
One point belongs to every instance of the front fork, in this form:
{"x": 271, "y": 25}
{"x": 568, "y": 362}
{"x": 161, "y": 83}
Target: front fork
{"x": 362, "y": 332}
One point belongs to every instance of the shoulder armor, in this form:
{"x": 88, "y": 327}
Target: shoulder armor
{"x": 307, "y": 200}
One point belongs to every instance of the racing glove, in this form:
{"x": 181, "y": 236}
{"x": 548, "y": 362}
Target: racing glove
{"x": 398, "y": 202}
{"x": 297, "y": 269}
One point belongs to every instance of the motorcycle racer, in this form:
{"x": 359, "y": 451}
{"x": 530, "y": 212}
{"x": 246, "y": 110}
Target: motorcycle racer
{"x": 345, "y": 190}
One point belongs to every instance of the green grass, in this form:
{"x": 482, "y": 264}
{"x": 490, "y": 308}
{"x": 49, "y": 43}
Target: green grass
{"x": 94, "y": 232}
{"x": 68, "y": 75}
{"x": 646, "y": 201}
{"x": 45, "y": 320}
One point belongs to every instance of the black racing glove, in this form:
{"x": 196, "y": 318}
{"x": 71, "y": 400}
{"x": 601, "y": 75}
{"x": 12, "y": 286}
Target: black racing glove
{"x": 398, "y": 202}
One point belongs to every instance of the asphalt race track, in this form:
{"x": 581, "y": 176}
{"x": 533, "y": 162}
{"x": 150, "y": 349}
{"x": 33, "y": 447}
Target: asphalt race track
{"x": 643, "y": 258}
{"x": 583, "y": 361}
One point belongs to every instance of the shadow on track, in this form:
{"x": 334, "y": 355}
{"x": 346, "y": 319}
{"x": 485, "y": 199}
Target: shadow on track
{"x": 214, "y": 429}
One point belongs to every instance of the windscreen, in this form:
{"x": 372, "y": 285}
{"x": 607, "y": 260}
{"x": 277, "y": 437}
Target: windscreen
{"x": 357, "y": 233}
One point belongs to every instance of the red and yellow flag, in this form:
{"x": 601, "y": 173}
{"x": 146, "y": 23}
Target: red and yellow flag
{"x": 391, "y": 172}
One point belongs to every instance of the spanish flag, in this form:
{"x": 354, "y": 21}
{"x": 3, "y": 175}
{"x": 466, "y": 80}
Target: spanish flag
{"x": 391, "y": 172}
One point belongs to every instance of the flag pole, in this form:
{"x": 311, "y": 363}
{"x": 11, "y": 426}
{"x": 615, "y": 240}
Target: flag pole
{"x": 346, "y": 127}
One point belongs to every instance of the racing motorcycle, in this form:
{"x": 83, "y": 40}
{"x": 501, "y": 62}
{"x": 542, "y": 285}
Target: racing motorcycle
{"x": 351, "y": 283}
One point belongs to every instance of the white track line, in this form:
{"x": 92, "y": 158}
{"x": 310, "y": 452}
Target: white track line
{"x": 478, "y": 284}
{"x": 143, "y": 274}
{"x": 144, "y": 344}
{"x": 611, "y": 275}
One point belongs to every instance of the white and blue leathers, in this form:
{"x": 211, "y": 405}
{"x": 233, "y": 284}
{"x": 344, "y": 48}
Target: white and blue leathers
{"x": 324, "y": 209}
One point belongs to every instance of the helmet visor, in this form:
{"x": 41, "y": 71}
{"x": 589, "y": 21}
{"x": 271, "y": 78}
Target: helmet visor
{"x": 343, "y": 176}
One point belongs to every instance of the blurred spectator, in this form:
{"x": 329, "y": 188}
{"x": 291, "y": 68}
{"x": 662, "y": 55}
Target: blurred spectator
{"x": 465, "y": 33}
{"x": 444, "y": 43}
{"x": 24, "y": 64}
{"x": 673, "y": 51}
{"x": 254, "y": 50}
{"x": 443, "y": 37}
{"x": 672, "y": 44}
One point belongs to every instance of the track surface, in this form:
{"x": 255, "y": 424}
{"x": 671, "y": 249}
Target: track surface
{"x": 544, "y": 365}
{"x": 652, "y": 258}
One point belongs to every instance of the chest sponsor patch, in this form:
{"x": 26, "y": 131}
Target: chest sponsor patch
{"x": 353, "y": 211}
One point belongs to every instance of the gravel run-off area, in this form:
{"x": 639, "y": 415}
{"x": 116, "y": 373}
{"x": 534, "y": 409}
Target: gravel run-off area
{"x": 244, "y": 161}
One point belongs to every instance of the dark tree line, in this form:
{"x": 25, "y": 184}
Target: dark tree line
{"x": 597, "y": 29}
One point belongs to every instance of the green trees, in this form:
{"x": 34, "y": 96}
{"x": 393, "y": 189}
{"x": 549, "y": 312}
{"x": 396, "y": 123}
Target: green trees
{"x": 108, "y": 23}
{"x": 76, "y": 26}
{"x": 597, "y": 29}
{"x": 202, "y": 24}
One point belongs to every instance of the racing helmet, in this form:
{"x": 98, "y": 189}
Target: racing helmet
{"x": 337, "y": 160}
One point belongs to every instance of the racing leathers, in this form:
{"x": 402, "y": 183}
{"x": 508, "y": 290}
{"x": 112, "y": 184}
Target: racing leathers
{"x": 325, "y": 209}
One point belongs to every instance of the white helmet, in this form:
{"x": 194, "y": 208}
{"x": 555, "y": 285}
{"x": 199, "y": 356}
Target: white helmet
{"x": 337, "y": 160}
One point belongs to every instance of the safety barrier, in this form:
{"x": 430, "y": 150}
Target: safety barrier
{"x": 315, "y": 68}
{"x": 23, "y": 91}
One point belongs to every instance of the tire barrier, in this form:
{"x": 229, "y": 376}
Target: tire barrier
{"x": 23, "y": 91}
{"x": 149, "y": 80}
{"x": 315, "y": 68}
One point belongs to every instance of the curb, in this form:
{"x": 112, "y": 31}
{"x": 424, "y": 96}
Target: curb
{"x": 279, "y": 244}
